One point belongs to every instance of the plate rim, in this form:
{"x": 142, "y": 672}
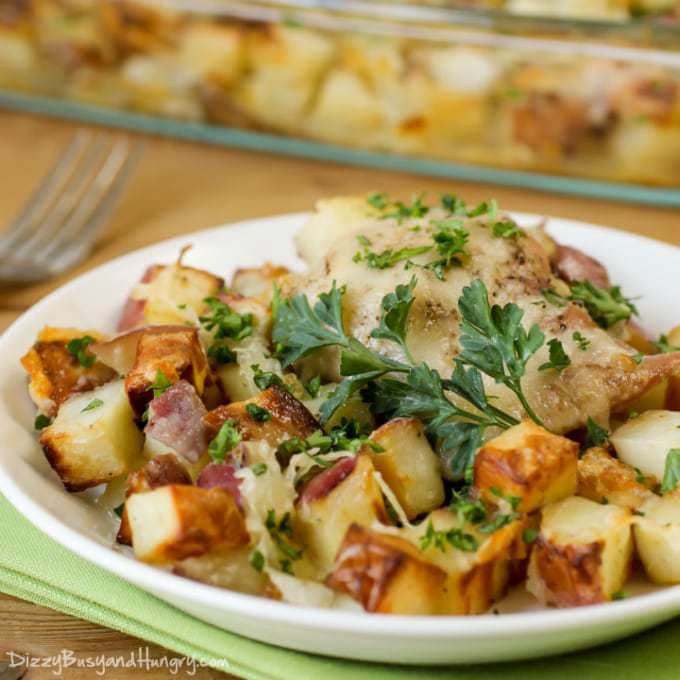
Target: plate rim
{"x": 153, "y": 579}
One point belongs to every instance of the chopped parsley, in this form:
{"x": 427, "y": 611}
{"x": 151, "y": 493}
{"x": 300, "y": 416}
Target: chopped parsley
{"x": 257, "y": 560}
{"x": 498, "y": 522}
{"x": 220, "y": 353}
{"x": 506, "y": 228}
{"x": 41, "y": 422}
{"x": 619, "y": 595}
{"x": 664, "y": 346}
{"x": 484, "y": 209}
{"x": 259, "y": 469}
{"x": 348, "y": 436}
{"x": 95, "y": 403}
{"x": 160, "y": 384}
{"x": 78, "y": 348}
{"x": 637, "y": 358}
{"x": 266, "y": 379}
{"x": 456, "y": 538}
{"x": 582, "y": 342}
{"x": 529, "y": 535}
{"x": 224, "y": 322}
{"x": 281, "y": 532}
{"x": 119, "y": 509}
{"x": 558, "y": 357}
{"x": 379, "y": 201}
{"x": 513, "y": 501}
{"x": 387, "y": 258}
{"x": 671, "y": 475}
{"x": 595, "y": 435}
{"x": 450, "y": 238}
{"x": 225, "y": 440}
{"x": 606, "y": 306}
{"x": 453, "y": 204}
{"x": 261, "y": 415}
{"x": 313, "y": 386}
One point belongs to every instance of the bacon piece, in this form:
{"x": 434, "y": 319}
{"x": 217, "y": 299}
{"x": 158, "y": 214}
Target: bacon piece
{"x": 176, "y": 420}
{"x": 321, "y": 485}
{"x": 222, "y": 476}
{"x": 572, "y": 264}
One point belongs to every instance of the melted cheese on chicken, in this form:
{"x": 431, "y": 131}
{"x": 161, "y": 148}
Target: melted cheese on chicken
{"x": 599, "y": 379}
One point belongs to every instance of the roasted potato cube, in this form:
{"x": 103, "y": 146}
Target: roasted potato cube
{"x": 657, "y": 539}
{"x": 120, "y": 352}
{"x": 345, "y": 494}
{"x": 178, "y": 521}
{"x": 56, "y": 374}
{"x": 170, "y": 294}
{"x": 387, "y": 574}
{"x": 159, "y": 471}
{"x": 527, "y": 462}
{"x": 480, "y": 575}
{"x": 644, "y": 442}
{"x": 274, "y": 415}
{"x": 257, "y": 281}
{"x": 409, "y": 465}
{"x": 176, "y": 352}
{"x": 93, "y": 438}
{"x": 601, "y": 477}
{"x": 582, "y": 554}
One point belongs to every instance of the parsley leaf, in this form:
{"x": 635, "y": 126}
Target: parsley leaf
{"x": 160, "y": 384}
{"x": 41, "y": 421}
{"x": 95, "y": 403}
{"x": 265, "y": 379}
{"x": 225, "y": 322}
{"x": 395, "y": 310}
{"x": 457, "y": 538}
{"x": 506, "y": 228}
{"x": 299, "y": 330}
{"x": 606, "y": 306}
{"x": 281, "y": 532}
{"x": 225, "y": 440}
{"x": 484, "y": 209}
{"x": 498, "y": 522}
{"x": 78, "y": 348}
{"x": 454, "y": 204}
{"x": 582, "y": 342}
{"x": 378, "y": 201}
{"x": 220, "y": 353}
{"x": 388, "y": 258}
{"x": 664, "y": 346}
{"x": 595, "y": 435}
{"x": 450, "y": 240}
{"x": 494, "y": 341}
{"x": 259, "y": 469}
{"x": 261, "y": 415}
{"x": 313, "y": 386}
{"x": 558, "y": 357}
{"x": 671, "y": 475}
{"x": 529, "y": 535}
{"x": 257, "y": 560}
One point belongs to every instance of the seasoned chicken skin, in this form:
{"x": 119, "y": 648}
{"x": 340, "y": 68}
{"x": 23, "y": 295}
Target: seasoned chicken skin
{"x": 600, "y": 379}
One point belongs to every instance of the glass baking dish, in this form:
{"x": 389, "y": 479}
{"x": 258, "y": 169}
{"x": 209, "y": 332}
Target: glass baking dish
{"x": 490, "y": 93}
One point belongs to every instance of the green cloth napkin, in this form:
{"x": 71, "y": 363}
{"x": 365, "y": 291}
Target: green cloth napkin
{"x": 35, "y": 568}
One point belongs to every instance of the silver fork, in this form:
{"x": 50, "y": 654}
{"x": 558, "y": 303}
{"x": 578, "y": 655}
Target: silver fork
{"x": 60, "y": 222}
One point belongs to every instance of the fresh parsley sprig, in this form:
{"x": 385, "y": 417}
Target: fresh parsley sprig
{"x": 385, "y": 258}
{"x": 494, "y": 341}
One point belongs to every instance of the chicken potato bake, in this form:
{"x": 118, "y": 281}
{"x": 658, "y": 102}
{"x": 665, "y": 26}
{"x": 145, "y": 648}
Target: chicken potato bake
{"x": 443, "y": 405}
{"x": 587, "y": 109}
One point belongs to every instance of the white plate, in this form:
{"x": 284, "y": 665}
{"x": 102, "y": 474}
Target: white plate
{"x": 645, "y": 268}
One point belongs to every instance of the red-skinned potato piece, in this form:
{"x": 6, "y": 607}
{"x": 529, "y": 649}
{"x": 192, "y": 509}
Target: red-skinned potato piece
{"x": 572, "y": 264}
{"x": 323, "y": 483}
{"x": 132, "y": 315}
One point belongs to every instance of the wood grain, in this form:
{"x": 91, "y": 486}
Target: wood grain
{"x": 181, "y": 187}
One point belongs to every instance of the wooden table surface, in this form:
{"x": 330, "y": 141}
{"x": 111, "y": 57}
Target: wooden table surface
{"x": 180, "y": 187}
